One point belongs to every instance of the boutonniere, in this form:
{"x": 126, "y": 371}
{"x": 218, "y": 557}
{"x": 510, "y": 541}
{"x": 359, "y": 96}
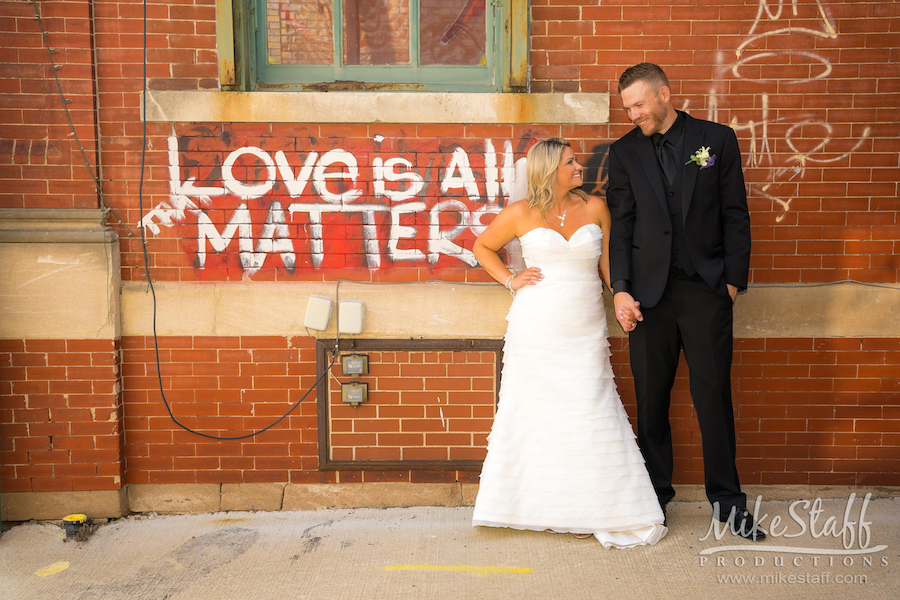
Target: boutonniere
{"x": 702, "y": 158}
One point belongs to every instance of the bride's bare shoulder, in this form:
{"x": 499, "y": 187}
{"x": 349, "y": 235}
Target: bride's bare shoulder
{"x": 596, "y": 205}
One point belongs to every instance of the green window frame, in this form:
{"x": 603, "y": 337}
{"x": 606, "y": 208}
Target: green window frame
{"x": 503, "y": 69}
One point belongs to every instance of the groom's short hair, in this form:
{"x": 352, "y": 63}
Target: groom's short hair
{"x": 648, "y": 72}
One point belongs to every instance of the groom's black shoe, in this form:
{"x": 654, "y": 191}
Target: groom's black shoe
{"x": 665, "y": 518}
{"x": 744, "y": 526}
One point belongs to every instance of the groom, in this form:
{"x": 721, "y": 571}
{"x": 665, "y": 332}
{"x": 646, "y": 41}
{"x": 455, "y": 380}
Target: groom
{"x": 679, "y": 252}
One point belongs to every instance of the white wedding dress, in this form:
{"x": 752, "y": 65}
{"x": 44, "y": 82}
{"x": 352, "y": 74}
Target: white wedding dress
{"x": 561, "y": 453}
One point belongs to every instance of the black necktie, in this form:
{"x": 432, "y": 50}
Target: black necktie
{"x": 665, "y": 154}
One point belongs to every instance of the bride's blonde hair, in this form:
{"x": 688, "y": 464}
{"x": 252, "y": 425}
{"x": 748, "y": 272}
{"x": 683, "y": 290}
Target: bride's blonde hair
{"x": 541, "y": 167}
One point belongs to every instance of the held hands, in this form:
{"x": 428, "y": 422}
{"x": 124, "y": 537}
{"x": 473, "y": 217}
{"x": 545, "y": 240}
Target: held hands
{"x": 628, "y": 311}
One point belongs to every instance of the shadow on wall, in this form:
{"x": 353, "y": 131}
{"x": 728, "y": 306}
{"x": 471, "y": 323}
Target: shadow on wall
{"x": 597, "y": 170}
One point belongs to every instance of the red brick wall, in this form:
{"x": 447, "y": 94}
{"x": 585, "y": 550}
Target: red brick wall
{"x": 813, "y": 97}
{"x": 60, "y": 415}
{"x": 222, "y": 387}
{"x": 41, "y": 165}
{"x": 815, "y": 107}
{"x": 814, "y": 104}
{"x": 423, "y": 405}
{"x": 811, "y": 230}
{"x": 808, "y": 411}
{"x": 232, "y": 386}
{"x": 817, "y": 411}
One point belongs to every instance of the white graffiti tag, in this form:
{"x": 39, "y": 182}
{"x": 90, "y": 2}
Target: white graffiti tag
{"x": 770, "y": 11}
{"x": 332, "y": 183}
{"x": 812, "y": 140}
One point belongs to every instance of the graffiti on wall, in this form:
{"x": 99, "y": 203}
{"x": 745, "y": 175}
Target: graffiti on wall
{"x": 280, "y": 205}
{"x": 811, "y": 141}
{"x": 326, "y": 207}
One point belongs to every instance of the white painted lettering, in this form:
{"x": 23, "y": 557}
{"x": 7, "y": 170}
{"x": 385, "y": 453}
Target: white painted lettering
{"x": 243, "y": 190}
{"x": 464, "y": 180}
{"x": 321, "y": 176}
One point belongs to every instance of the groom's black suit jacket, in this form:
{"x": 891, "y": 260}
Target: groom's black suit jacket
{"x": 716, "y": 218}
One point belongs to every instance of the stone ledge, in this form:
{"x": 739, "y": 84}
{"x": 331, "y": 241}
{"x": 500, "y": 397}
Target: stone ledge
{"x": 56, "y": 226}
{"x": 475, "y": 310}
{"x": 252, "y": 496}
{"x": 211, "y": 497}
{"x": 26, "y": 506}
{"x": 174, "y": 498}
{"x": 191, "y": 498}
{"x": 377, "y": 495}
{"x": 697, "y": 493}
{"x": 376, "y": 107}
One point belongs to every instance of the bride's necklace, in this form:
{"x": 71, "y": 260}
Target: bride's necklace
{"x": 562, "y": 219}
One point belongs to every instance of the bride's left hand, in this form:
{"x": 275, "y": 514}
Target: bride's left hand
{"x": 626, "y": 319}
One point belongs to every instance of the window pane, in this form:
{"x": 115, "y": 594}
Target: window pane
{"x": 299, "y": 32}
{"x": 376, "y": 32}
{"x": 452, "y": 32}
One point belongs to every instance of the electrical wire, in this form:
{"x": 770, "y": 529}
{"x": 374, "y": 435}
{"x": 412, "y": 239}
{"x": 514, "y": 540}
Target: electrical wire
{"x": 65, "y": 102}
{"x": 153, "y": 290}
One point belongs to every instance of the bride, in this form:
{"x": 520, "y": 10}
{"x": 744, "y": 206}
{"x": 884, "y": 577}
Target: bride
{"x": 561, "y": 455}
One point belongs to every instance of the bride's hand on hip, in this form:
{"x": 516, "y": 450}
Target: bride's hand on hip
{"x": 531, "y": 276}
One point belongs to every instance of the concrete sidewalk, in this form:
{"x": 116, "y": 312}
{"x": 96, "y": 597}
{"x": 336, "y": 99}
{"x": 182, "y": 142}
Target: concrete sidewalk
{"x": 429, "y": 552}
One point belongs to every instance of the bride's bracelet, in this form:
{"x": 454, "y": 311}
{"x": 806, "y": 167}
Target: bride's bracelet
{"x": 507, "y": 283}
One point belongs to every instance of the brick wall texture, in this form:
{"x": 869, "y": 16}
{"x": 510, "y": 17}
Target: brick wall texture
{"x": 811, "y": 87}
{"x": 425, "y": 406}
{"x": 61, "y": 415}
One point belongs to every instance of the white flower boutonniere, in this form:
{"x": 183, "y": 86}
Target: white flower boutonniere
{"x": 702, "y": 158}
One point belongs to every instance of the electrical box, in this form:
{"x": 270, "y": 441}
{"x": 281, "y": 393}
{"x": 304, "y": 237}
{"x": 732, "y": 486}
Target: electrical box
{"x": 354, "y": 393}
{"x": 355, "y": 364}
{"x": 318, "y": 313}
{"x": 351, "y": 316}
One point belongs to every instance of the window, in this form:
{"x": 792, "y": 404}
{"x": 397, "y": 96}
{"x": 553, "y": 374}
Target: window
{"x": 322, "y": 45}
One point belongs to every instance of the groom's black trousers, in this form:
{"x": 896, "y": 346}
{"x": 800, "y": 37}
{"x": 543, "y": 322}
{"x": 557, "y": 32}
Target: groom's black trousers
{"x": 689, "y": 316}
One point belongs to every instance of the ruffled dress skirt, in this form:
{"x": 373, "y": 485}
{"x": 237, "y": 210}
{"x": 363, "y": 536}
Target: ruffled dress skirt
{"x": 561, "y": 453}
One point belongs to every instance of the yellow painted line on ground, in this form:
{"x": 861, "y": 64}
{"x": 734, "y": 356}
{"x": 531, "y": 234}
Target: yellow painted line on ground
{"x": 57, "y": 567}
{"x": 460, "y": 569}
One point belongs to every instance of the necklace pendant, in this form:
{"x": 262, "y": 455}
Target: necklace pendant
{"x": 562, "y": 219}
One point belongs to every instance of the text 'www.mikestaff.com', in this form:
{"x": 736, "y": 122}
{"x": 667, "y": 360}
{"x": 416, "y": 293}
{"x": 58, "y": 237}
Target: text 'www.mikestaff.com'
{"x": 822, "y": 578}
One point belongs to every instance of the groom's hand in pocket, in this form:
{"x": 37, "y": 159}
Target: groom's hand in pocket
{"x": 732, "y": 291}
